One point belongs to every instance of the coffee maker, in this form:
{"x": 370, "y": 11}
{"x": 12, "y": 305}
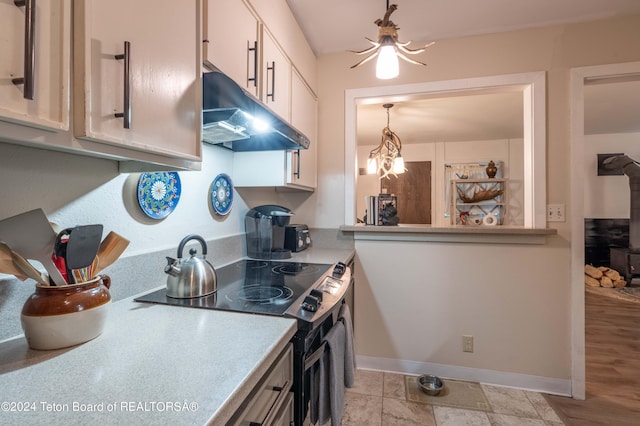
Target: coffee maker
{"x": 265, "y": 230}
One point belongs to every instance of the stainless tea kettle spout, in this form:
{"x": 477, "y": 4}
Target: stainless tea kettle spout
{"x": 171, "y": 267}
{"x": 193, "y": 277}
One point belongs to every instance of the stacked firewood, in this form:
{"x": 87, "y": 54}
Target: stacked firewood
{"x": 602, "y": 277}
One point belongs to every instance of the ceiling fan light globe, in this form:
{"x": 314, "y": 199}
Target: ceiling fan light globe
{"x": 398, "y": 165}
{"x": 387, "y": 66}
{"x": 372, "y": 166}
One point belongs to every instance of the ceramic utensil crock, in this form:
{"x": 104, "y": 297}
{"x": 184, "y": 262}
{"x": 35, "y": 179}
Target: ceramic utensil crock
{"x": 56, "y": 317}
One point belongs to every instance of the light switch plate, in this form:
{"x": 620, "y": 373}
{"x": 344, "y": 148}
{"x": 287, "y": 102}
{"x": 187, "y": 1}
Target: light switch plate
{"x": 555, "y": 213}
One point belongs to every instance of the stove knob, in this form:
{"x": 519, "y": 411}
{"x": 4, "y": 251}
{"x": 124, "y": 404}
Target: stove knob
{"x": 310, "y": 303}
{"x": 339, "y": 269}
{"x": 317, "y": 294}
{"x": 300, "y": 243}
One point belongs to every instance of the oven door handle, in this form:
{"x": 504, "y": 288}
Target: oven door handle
{"x": 273, "y": 411}
{"x": 315, "y": 356}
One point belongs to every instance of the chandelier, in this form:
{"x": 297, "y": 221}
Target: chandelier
{"x": 386, "y": 158}
{"x": 388, "y": 49}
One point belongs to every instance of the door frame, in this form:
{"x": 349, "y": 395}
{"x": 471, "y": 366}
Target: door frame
{"x": 577, "y": 78}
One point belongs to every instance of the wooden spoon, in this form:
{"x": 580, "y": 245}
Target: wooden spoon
{"x": 12, "y": 263}
{"x": 6, "y": 263}
{"x": 110, "y": 250}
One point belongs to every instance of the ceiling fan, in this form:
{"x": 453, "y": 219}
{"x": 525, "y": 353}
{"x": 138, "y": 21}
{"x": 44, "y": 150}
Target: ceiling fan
{"x": 388, "y": 49}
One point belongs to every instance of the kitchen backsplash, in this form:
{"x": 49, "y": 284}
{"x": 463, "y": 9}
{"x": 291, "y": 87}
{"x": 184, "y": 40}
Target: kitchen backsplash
{"x": 140, "y": 273}
{"x": 129, "y": 276}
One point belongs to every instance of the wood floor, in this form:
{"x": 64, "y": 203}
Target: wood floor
{"x": 612, "y": 334}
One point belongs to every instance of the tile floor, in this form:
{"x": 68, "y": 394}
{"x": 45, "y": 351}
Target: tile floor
{"x": 378, "y": 399}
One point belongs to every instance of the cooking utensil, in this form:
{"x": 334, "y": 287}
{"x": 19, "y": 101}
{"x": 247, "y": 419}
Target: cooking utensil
{"x": 31, "y": 235}
{"x": 194, "y": 277}
{"x": 60, "y": 252}
{"x": 12, "y": 261}
{"x": 82, "y": 248}
{"x": 110, "y": 250}
{"x": 6, "y": 263}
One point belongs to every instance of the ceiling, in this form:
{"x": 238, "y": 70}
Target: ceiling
{"x": 466, "y": 117}
{"x": 341, "y": 25}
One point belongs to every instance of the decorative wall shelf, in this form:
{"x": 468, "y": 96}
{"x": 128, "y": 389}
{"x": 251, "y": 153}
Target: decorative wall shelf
{"x": 481, "y": 202}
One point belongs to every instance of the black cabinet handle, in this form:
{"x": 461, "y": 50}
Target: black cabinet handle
{"x": 126, "y": 114}
{"x": 272, "y": 68}
{"x": 297, "y": 172}
{"x": 28, "y": 80}
{"x": 253, "y": 49}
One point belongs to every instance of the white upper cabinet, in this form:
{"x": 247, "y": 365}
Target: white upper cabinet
{"x": 276, "y": 81}
{"x": 303, "y": 166}
{"x": 34, "y": 63}
{"x": 277, "y": 17}
{"x": 137, "y": 80}
{"x": 230, "y": 31}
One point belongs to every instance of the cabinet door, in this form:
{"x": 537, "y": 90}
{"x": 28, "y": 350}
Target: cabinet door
{"x": 231, "y": 31}
{"x": 304, "y": 118}
{"x": 276, "y": 77}
{"x": 162, "y": 79}
{"x": 51, "y": 24}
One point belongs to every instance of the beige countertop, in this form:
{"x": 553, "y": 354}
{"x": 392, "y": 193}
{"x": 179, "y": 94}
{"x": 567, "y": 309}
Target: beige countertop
{"x": 153, "y": 364}
{"x": 323, "y": 255}
{"x": 460, "y": 233}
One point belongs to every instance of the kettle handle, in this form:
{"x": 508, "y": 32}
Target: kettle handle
{"x": 188, "y": 238}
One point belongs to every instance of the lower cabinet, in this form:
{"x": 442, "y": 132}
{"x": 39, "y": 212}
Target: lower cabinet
{"x": 271, "y": 401}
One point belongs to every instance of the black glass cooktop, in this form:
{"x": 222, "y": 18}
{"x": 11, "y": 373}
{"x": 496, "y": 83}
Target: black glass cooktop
{"x": 256, "y": 286}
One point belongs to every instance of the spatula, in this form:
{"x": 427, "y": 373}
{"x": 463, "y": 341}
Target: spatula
{"x": 30, "y": 235}
{"x": 110, "y": 250}
{"x": 82, "y": 247}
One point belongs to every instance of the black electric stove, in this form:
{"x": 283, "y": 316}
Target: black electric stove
{"x": 312, "y": 293}
{"x": 254, "y": 286}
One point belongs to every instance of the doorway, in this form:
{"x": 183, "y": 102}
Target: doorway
{"x": 578, "y": 187}
{"x": 413, "y": 189}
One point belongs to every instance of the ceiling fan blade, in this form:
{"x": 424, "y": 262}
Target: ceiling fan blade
{"x": 365, "y": 60}
{"x": 402, "y": 56}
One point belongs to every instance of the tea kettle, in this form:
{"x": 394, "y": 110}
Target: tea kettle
{"x": 193, "y": 277}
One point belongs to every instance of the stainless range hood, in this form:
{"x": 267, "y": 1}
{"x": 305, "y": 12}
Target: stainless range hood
{"x": 236, "y": 120}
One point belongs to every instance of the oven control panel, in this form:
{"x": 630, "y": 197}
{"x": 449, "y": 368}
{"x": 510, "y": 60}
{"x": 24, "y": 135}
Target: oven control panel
{"x": 324, "y": 295}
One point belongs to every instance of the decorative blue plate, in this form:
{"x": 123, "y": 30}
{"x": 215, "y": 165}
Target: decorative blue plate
{"x": 222, "y": 194}
{"x": 158, "y": 193}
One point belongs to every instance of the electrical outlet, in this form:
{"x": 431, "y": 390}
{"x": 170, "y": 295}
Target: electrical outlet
{"x": 467, "y": 343}
{"x": 555, "y": 213}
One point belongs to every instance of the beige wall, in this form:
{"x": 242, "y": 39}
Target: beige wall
{"x": 415, "y": 300}
{"x": 554, "y": 49}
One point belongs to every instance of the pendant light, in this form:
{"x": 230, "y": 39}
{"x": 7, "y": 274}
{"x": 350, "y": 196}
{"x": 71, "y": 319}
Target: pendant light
{"x": 388, "y": 49}
{"x": 386, "y": 159}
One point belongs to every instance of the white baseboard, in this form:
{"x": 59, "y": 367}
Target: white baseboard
{"x": 489, "y": 377}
